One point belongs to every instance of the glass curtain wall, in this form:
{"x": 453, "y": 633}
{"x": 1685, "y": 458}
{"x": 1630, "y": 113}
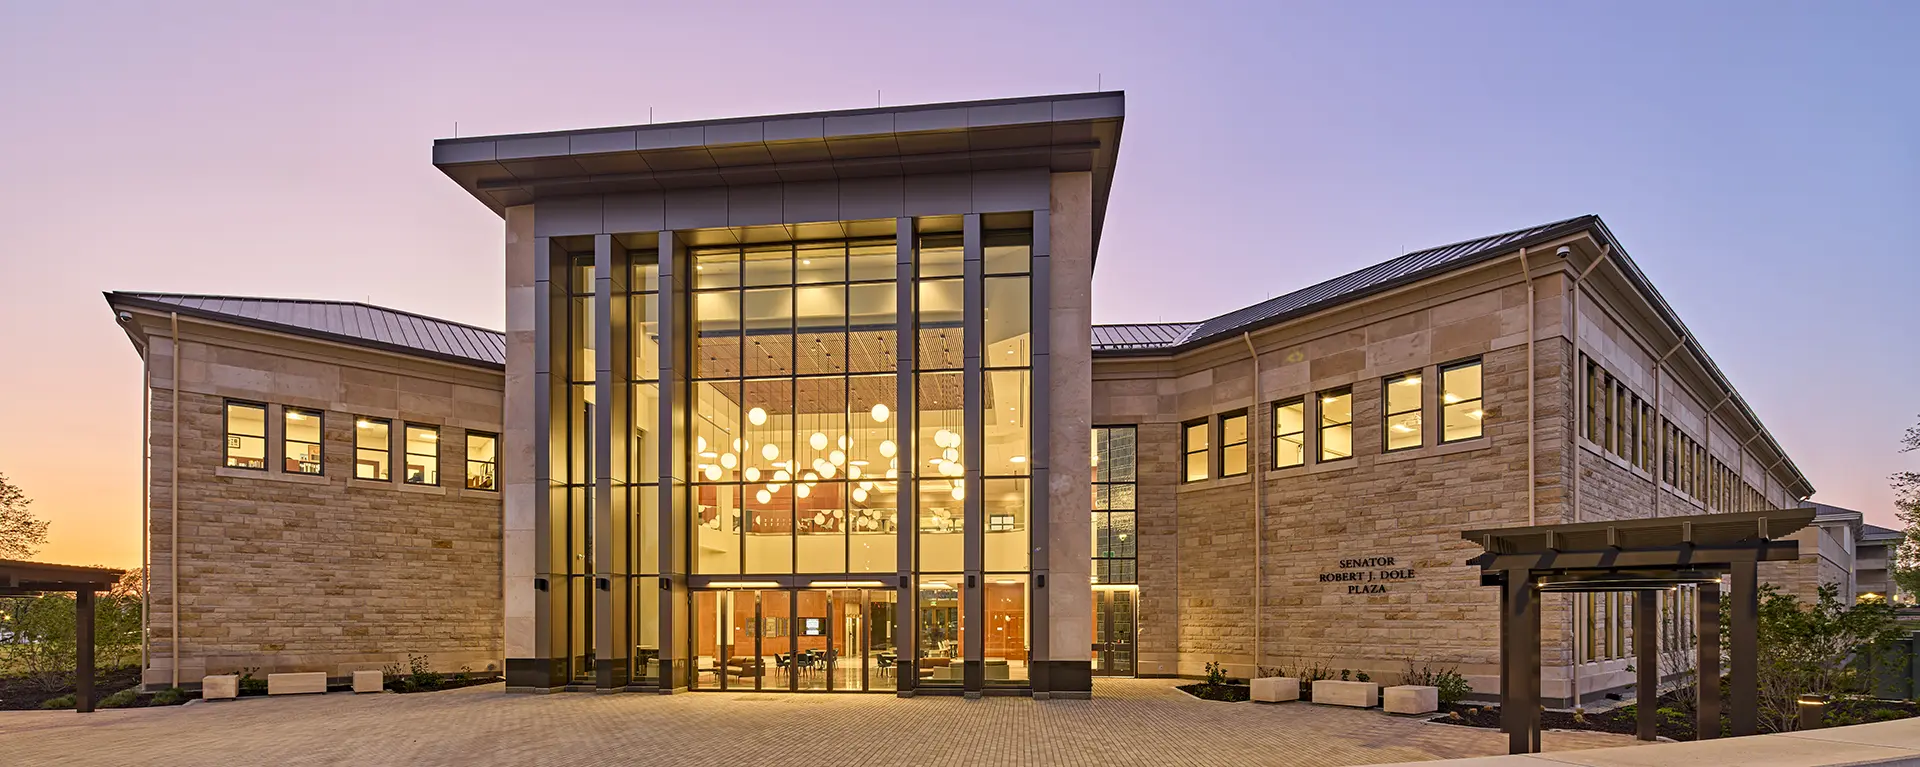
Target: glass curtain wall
{"x": 573, "y": 533}
{"x": 642, "y": 290}
{"x": 939, "y": 402}
{"x": 1006, "y": 434}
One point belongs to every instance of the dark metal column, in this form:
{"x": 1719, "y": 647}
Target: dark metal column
{"x": 905, "y": 411}
{"x": 1520, "y": 662}
{"x": 83, "y": 650}
{"x": 1646, "y": 649}
{"x": 1041, "y": 662}
{"x": 1744, "y": 684}
{"x": 676, "y": 651}
{"x": 1706, "y": 627}
{"x": 973, "y": 598}
{"x": 612, "y": 430}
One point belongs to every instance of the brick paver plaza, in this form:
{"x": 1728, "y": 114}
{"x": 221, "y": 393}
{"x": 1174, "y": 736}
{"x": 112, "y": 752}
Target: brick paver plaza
{"x": 1130, "y": 722}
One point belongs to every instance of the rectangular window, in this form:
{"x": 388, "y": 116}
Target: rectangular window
{"x": 1193, "y": 449}
{"x": 1233, "y": 444}
{"x": 1290, "y": 433}
{"x": 246, "y": 436}
{"x": 1114, "y": 547}
{"x": 1403, "y": 396}
{"x": 483, "y": 458}
{"x": 1336, "y": 425}
{"x": 372, "y": 449}
{"x": 1622, "y": 421}
{"x": 1461, "y": 414}
{"x": 423, "y": 455}
{"x": 1647, "y": 438}
{"x": 303, "y": 443}
{"x": 1592, "y": 423}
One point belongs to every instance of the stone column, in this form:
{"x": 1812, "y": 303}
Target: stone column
{"x": 522, "y": 560}
{"x": 1068, "y": 314}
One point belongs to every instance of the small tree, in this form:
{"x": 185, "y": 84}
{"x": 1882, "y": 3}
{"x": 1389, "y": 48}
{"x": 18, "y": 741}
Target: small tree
{"x": 1906, "y": 501}
{"x": 1812, "y": 648}
{"x": 43, "y": 641}
{"x": 21, "y": 533}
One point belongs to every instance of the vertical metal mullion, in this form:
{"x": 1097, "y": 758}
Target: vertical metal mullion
{"x": 973, "y": 598}
{"x": 907, "y": 520}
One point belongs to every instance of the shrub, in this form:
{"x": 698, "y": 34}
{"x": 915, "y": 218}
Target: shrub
{"x": 172, "y": 696}
{"x": 1886, "y": 714}
{"x": 121, "y": 699}
{"x": 64, "y": 701}
{"x": 1346, "y": 675}
{"x": 1811, "y": 648}
{"x": 1453, "y": 687}
{"x": 1216, "y": 673}
{"x": 419, "y": 675}
{"x": 1362, "y": 676}
{"x": 1315, "y": 673}
{"x": 250, "y": 684}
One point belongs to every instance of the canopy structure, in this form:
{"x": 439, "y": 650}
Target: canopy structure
{"x": 1643, "y": 556}
{"x": 20, "y": 578}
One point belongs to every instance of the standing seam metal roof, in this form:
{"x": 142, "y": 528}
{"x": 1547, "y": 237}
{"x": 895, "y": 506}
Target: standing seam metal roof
{"x": 350, "y": 322}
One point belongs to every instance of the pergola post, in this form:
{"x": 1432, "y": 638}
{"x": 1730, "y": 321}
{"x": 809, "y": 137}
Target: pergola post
{"x": 1706, "y": 686}
{"x": 83, "y": 649}
{"x": 1646, "y": 649}
{"x": 1745, "y": 652}
{"x": 1520, "y": 662}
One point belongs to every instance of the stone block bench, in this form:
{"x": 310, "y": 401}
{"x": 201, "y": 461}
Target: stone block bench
{"x": 297, "y": 683}
{"x": 1412, "y": 699}
{"x": 1333, "y": 692}
{"x": 368, "y": 681}
{"x": 1275, "y": 689}
{"x": 220, "y": 687}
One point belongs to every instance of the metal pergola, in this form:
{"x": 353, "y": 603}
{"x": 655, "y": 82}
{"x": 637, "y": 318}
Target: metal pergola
{"x": 25, "y": 578}
{"x": 1644, "y": 557}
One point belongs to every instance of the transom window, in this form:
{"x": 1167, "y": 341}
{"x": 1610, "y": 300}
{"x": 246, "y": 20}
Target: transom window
{"x": 1290, "y": 433}
{"x": 1233, "y": 444}
{"x": 303, "y": 443}
{"x": 372, "y": 449}
{"x": 1336, "y": 424}
{"x": 1461, "y": 413}
{"x": 1193, "y": 447}
{"x": 423, "y": 455}
{"x": 1403, "y": 396}
{"x": 246, "y": 436}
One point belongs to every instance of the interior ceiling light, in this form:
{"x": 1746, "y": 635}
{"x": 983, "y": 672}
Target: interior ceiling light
{"x": 757, "y": 417}
{"x": 880, "y": 413}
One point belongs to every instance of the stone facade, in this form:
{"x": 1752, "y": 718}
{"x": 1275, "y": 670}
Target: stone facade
{"x": 285, "y": 572}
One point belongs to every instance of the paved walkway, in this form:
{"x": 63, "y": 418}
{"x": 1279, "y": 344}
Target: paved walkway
{"x": 1130, "y": 722}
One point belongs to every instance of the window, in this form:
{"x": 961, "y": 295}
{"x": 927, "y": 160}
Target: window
{"x": 1461, "y": 414}
{"x": 1290, "y": 433}
{"x": 1114, "y": 546}
{"x": 1402, "y": 394}
{"x": 1622, "y": 421}
{"x": 483, "y": 451}
{"x": 1233, "y": 444}
{"x": 1336, "y": 425}
{"x": 246, "y": 436}
{"x": 303, "y": 443}
{"x": 1193, "y": 446}
{"x": 1647, "y": 438}
{"x": 372, "y": 449}
{"x": 423, "y": 455}
{"x": 1596, "y": 386}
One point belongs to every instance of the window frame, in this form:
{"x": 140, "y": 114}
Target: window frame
{"x": 1274, "y": 410}
{"x": 1440, "y": 394}
{"x": 1187, "y": 452}
{"x": 1321, "y": 427}
{"x": 385, "y": 451}
{"x": 227, "y": 434}
{"x": 1387, "y": 414}
{"x": 1246, "y": 463}
{"x": 406, "y": 453}
{"x": 493, "y": 465}
{"x": 287, "y": 441}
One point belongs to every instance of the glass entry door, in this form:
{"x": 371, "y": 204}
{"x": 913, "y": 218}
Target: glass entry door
{"x": 839, "y": 640}
{"x": 1113, "y": 631}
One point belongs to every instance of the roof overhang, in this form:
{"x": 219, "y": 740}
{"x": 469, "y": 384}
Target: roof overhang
{"x": 17, "y": 577}
{"x": 1064, "y": 133}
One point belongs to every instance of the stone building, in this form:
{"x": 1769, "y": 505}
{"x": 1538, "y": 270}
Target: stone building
{"x": 815, "y": 402}
{"x": 337, "y": 504}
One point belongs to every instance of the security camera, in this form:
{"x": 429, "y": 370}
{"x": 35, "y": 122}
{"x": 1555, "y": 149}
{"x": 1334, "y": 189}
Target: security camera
{"x": 124, "y": 317}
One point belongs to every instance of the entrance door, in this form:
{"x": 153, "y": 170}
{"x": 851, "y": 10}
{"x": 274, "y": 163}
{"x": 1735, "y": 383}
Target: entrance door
{"x": 1113, "y": 631}
{"x": 839, "y": 640}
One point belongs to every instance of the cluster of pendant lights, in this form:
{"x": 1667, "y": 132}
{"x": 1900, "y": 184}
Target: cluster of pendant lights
{"x": 947, "y": 464}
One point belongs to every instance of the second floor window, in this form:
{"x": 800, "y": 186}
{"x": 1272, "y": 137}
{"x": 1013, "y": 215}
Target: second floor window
{"x": 1289, "y": 433}
{"x": 1336, "y": 425}
{"x": 1233, "y": 444}
{"x": 246, "y": 436}
{"x": 423, "y": 455}
{"x": 1403, "y": 395}
{"x": 372, "y": 449}
{"x": 482, "y": 460}
{"x": 1461, "y": 414}
{"x": 303, "y": 443}
{"x": 1193, "y": 449}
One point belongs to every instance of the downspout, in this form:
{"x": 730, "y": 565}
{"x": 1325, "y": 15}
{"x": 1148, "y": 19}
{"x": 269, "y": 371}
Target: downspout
{"x": 146, "y": 492}
{"x": 173, "y": 529}
{"x": 1660, "y": 419}
{"x": 1256, "y": 469}
{"x": 1526, "y": 273}
{"x": 1573, "y": 616}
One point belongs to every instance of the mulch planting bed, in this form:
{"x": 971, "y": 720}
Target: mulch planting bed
{"x": 24, "y": 693}
{"x": 1671, "y": 723}
{"x": 1228, "y": 693}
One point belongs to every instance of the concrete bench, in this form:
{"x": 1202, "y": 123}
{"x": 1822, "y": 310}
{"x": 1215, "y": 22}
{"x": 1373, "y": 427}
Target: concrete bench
{"x": 1412, "y": 699}
{"x": 1275, "y": 689}
{"x": 368, "y": 681}
{"x": 297, "y": 683}
{"x": 221, "y": 687}
{"x": 1337, "y": 693}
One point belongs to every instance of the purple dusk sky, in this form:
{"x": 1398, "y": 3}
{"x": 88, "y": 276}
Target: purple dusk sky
{"x": 1760, "y": 161}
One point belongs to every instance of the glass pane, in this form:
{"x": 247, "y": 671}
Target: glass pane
{"x": 580, "y": 316}
{"x": 1008, "y": 252}
{"x": 1196, "y": 466}
{"x": 767, "y": 326}
{"x": 645, "y": 335}
{"x": 646, "y": 271}
{"x": 719, "y": 451}
{"x": 302, "y": 442}
{"x": 645, "y": 448}
{"x": 1007, "y": 422}
{"x": 768, "y": 526}
{"x": 767, "y": 444}
{"x": 482, "y": 452}
{"x": 716, "y": 322}
{"x": 940, "y": 256}
{"x": 1403, "y": 394}
{"x": 1403, "y": 431}
{"x": 767, "y": 264}
{"x": 821, "y": 322}
{"x": 423, "y": 455}
{"x": 1463, "y": 420}
{"x": 1460, "y": 384}
{"x": 1008, "y": 324}
{"x": 716, "y": 529}
{"x": 872, "y": 261}
{"x": 646, "y": 529}
{"x": 371, "y": 440}
{"x": 1120, "y": 497}
{"x": 1336, "y": 408}
{"x": 1004, "y": 511}
{"x": 1120, "y": 528}
{"x": 1336, "y": 442}
{"x": 1196, "y": 437}
{"x": 872, "y": 328}
{"x": 1233, "y": 460}
{"x": 820, "y": 262}
{"x": 942, "y": 303}
{"x": 1005, "y": 616}
{"x": 716, "y": 268}
{"x": 1118, "y": 461}
{"x": 942, "y": 520}
{"x": 820, "y": 527}
{"x": 873, "y": 511}
{"x": 940, "y": 630}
